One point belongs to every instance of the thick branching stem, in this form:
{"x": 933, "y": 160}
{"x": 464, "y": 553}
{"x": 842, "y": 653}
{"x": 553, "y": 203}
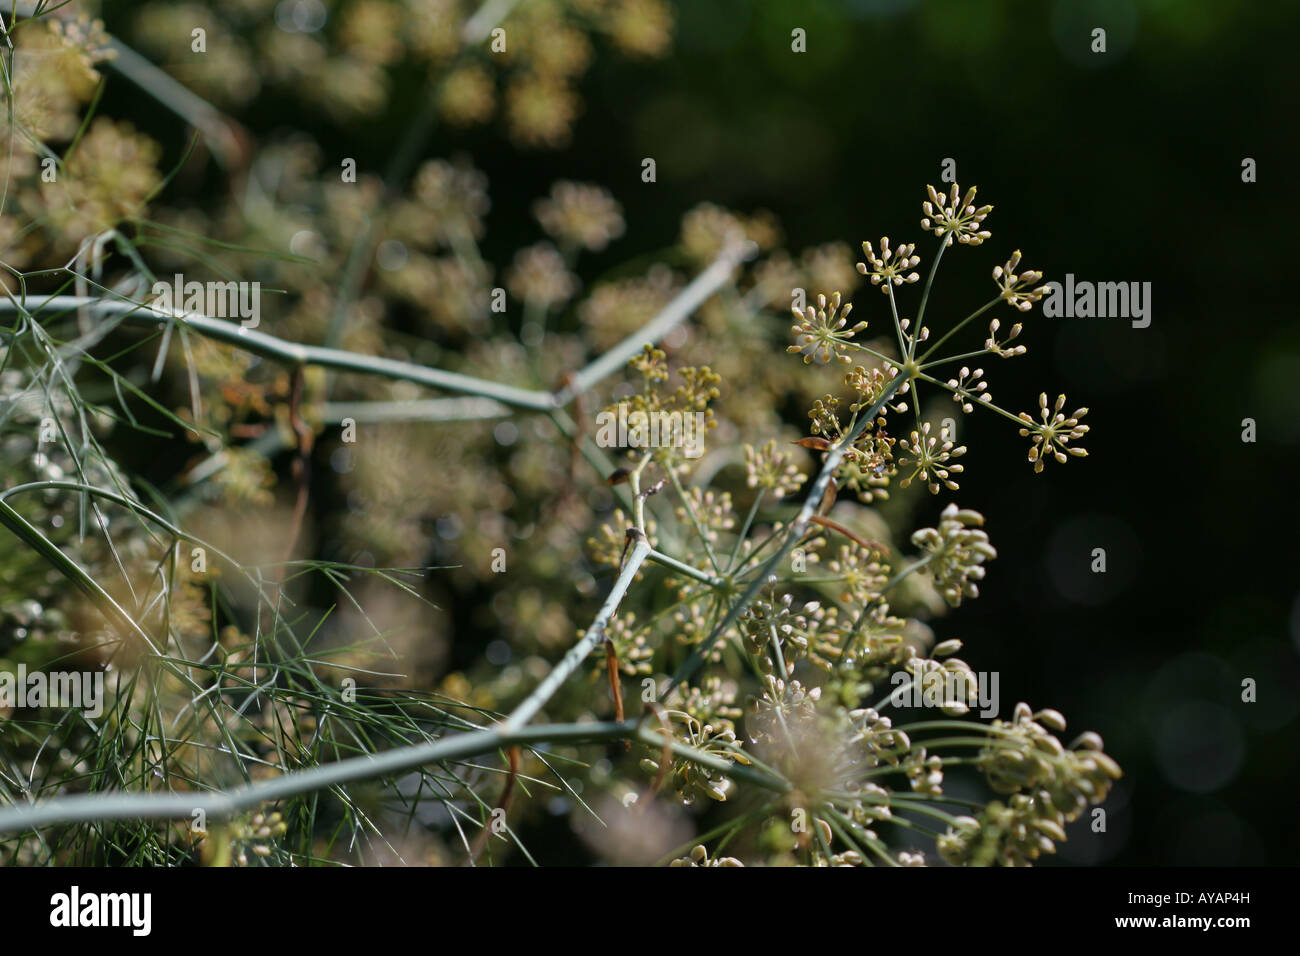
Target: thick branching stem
{"x": 658, "y": 557}
{"x": 672, "y": 315}
{"x": 514, "y": 730}
{"x": 293, "y": 354}
{"x": 217, "y": 805}
{"x": 571, "y": 661}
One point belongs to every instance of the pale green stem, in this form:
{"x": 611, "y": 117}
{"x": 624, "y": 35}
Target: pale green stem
{"x": 695, "y": 519}
{"x": 958, "y": 327}
{"x": 571, "y": 661}
{"x": 956, "y": 358}
{"x": 638, "y": 499}
{"x": 464, "y": 409}
{"x": 673, "y": 314}
{"x": 903, "y": 351}
{"x": 289, "y": 353}
{"x": 744, "y": 530}
{"x": 874, "y": 354}
{"x": 1001, "y": 411}
{"x": 658, "y": 557}
{"x": 98, "y": 807}
{"x": 793, "y": 533}
{"x": 929, "y": 280}
{"x": 259, "y": 343}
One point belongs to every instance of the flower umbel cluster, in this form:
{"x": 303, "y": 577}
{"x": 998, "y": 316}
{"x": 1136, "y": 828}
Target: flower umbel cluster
{"x": 955, "y": 553}
{"x": 890, "y": 267}
{"x": 926, "y": 454}
{"x": 820, "y": 335}
{"x": 823, "y": 638}
{"x": 1051, "y": 785}
{"x": 1050, "y": 436}
{"x": 950, "y": 219}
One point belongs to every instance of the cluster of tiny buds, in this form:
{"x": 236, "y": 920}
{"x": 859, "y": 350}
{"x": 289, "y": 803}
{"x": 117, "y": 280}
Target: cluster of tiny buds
{"x": 963, "y": 391}
{"x": 920, "y": 336}
{"x": 956, "y": 552}
{"x": 931, "y": 456}
{"x": 692, "y": 779}
{"x": 579, "y": 214}
{"x": 883, "y": 744}
{"x": 1051, "y": 435}
{"x": 1014, "y": 285}
{"x": 869, "y": 382}
{"x": 263, "y": 826}
{"x": 1049, "y": 786}
{"x": 259, "y": 827}
{"x": 890, "y": 267}
{"x": 934, "y": 679}
{"x": 1001, "y": 349}
{"x": 1028, "y": 756}
{"x": 821, "y": 333}
{"x": 699, "y": 856}
{"x": 769, "y": 468}
{"x": 775, "y": 618}
{"x": 84, "y": 36}
{"x": 945, "y": 216}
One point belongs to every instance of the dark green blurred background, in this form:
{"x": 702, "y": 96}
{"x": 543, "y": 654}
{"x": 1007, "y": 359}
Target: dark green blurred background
{"x": 1117, "y": 167}
{"x": 1123, "y": 167}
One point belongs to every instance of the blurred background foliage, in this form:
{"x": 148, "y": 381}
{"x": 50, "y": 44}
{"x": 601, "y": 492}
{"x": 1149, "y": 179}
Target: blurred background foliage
{"x": 1117, "y": 167}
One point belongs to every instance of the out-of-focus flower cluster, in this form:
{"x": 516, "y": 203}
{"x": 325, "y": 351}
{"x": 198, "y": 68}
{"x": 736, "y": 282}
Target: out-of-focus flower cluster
{"x": 345, "y": 58}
